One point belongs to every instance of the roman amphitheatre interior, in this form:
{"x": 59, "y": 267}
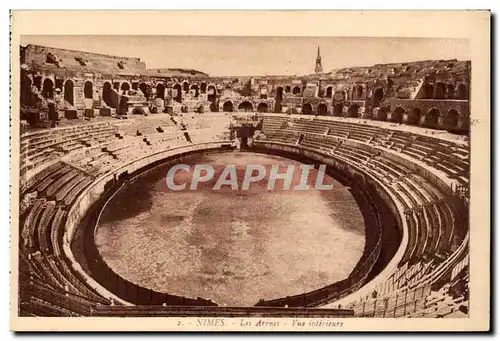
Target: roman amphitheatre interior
{"x": 100, "y": 236}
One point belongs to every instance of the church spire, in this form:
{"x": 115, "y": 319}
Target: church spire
{"x": 319, "y": 67}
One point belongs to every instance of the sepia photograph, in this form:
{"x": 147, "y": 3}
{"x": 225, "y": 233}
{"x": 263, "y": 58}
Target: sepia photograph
{"x": 248, "y": 182}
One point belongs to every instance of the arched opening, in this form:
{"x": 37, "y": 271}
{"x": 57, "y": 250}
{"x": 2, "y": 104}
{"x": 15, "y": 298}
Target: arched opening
{"x": 200, "y": 109}
{"x": 291, "y": 111}
{"x": 414, "y": 116}
{"x": 196, "y": 90}
{"x": 278, "y": 99}
{"x": 440, "y": 91}
{"x": 106, "y": 93}
{"x": 307, "y": 109}
{"x": 397, "y": 115}
{"x": 329, "y": 92}
{"x": 245, "y": 106}
{"x": 116, "y": 86}
{"x": 322, "y": 109}
{"x": 450, "y": 91}
{"x": 359, "y": 92}
{"x": 25, "y": 89}
{"x": 428, "y": 91}
{"x": 288, "y": 89}
{"x": 212, "y": 97}
{"x": 378, "y": 96}
{"x": 48, "y": 88}
{"x": 353, "y": 110}
{"x": 185, "y": 86}
{"x": 38, "y": 82}
{"x": 463, "y": 92}
{"x": 135, "y": 86}
{"x": 138, "y": 111}
{"x": 262, "y": 107}
{"x": 144, "y": 88}
{"x": 125, "y": 86}
{"x": 337, "y": 109}
{"x": 88, "y": 89}
{"x": 431, "y": 120}
{"x": 178, "y": 93}
{"x": 450, "y": 121}
{"x": 296, "y": 90}
{"x": 227, "y": 106}
{"x": 203, "y": 87}
{"x": 160, "y": 91}
{"x": 69, "y": 95}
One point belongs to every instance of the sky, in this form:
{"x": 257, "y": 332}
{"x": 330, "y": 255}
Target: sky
{"x": 244, "y": 56}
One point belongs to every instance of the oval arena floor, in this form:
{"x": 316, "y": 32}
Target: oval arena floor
{"x": 233, "y": 248}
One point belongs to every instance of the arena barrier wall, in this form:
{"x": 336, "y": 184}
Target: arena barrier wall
{"x": 357, "y": 278}
{"x": 92, "y": 194}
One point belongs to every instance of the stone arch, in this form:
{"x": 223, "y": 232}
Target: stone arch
{"x": 397, "y": 115}
{"x": 144, "y": 88}
{"x": 322, "y": 109}
{"x": 25, "y": 88}
{"x": 203, "y": 87}
{"x": 135, "y": 86}
{"x": 69, "y": 92}
{"x": 307, "y": 109}
{"x": 378, "y": 96}
{"x": 359, "y": 92}
{"x": 125, "y": 86}
{"x": 212, "y": 97}
{"x": 185, "y": 86}
{"x": 245, "y": 106}
{"x": 352, "y": 111}
{"x": 278, "y": 99}
{"x": 88, "y": 90}
{"x": 37, "y": 82}
{"x": 48, "y": 88}
{"x": 227, "y": 106}
{"x": 291, "y": 111}
{"x": 107, "y": 91}
{"x": 414, "y": 116}
{"x": 160, "y": 91}
{"x": 329, "y": 92}
{"x": 262, "y": 107}
{"x": 337, "y": 109}
{"x": 200, "y": 109}
{"x": 178, "y": 93}
{"x": 116, "y": 86}
{"x": 428, "y": 91}
{"x": 196, "y": 90}
{"x": 431, "y": 119}
{"x": 450, "y": 91}
{"x": 463, "y": 92}
{"x": 296, "y": 90}
{"x": 138, "y": 111}
{"x": 440, "y": 91}
{"x": 288, "y": 89}
{"x": 450, "y": 120}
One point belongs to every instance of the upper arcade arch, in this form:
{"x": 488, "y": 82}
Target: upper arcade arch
{"x": 88, "y": 90}
{"x": 48, "y": 88}
{"x": 69, "y": 92}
